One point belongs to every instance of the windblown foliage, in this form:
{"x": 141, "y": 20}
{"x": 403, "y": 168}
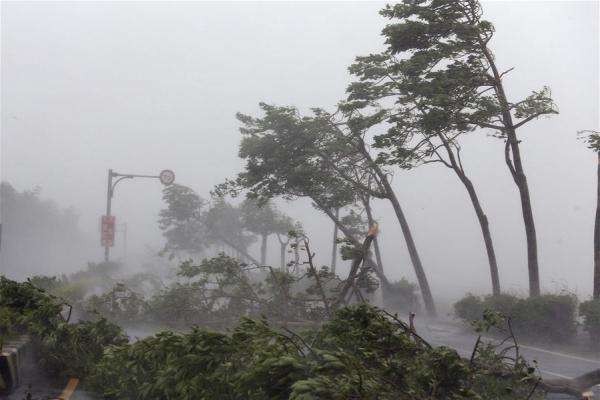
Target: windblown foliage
{"x": 360, "y": 354}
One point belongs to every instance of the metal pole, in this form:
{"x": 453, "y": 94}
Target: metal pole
{"x": 125, "y": 243}
{"x": 108, "y": 206}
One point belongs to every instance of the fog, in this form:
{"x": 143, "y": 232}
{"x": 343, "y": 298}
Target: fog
{"x": 143, "y": 86}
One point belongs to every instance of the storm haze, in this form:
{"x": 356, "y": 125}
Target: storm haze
{"x": 140, "y": 87}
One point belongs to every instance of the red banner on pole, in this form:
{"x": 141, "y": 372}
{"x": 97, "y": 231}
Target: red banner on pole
{"x": 107, "y": 232}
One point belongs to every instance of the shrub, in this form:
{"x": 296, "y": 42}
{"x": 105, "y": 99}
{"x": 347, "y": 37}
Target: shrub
{"x": 502, "y": 303}
{"x": 590, "y": 311}
{"x": 550, "y": 317}
{"x": 402, "y": 296}
{"x": 469, "y": 308}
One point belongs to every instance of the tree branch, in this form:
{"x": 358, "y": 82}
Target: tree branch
{"x": 533, "y": 116}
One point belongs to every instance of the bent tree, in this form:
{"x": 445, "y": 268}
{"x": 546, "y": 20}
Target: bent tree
{"x": 292, "y": 156}
{"x": 440, "y": 49}
{"x": 281, "y": 162}
{"x": 415, "y": 132}
{"x": 348, "y": 155}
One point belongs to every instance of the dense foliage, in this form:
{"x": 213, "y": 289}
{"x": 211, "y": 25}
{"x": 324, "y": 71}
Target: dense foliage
{"x": 550, "y": 317}
{"x": 63, "y": 348}
{"x": 360, "y": 354}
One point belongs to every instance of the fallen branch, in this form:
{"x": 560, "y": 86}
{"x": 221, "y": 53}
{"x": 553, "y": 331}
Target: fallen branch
{"x": 576, "y": 387}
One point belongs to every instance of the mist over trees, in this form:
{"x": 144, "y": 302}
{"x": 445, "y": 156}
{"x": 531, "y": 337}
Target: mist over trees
{"x": 38, "y": 235}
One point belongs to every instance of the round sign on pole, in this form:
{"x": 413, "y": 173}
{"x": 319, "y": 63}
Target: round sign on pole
{"x": 166, "y": 177}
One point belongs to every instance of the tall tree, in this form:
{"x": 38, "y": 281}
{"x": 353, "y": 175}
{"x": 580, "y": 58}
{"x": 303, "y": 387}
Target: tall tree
{"x": 292, "y": 156}
{"x": 592, "y": 140}
{"x": 182, "y": 221}
{"x": 439, "y": 50}
{"x": 345, "y": 151}
{"x": 191, "y": 225}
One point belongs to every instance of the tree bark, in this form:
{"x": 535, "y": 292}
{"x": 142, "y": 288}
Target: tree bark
{"x": 456, "y": 166}
{"x": 378, "y": 259}
{"x": 485, "y": 231}
{"x": 371, "y": 221}
{"x": 384, "y": 281}
{"x": 355, "y": 266}
{"x": 410, "y": 243}
{"x": 263, "y": 250}
{"x": 516, "y": 168}
{"x": 597, "y": 238}
{"x": 335, "y": 244}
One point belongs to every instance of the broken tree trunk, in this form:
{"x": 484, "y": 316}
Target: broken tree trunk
{"x": 356, "y": 262}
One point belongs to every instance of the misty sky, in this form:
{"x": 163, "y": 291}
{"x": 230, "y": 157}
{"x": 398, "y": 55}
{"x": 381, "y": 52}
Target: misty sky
{"x": 139, "y": 87}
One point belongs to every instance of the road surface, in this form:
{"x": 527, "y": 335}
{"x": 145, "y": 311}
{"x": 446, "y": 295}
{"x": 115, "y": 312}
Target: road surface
{"x": 552, "y": 363}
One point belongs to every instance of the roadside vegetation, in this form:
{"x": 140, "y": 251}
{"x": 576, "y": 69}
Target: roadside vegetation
{"x": 221, "y": 322}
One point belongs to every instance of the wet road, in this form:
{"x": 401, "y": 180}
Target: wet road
{"x": 552, "y": 363}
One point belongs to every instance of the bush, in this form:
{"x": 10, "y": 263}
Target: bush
{"x": 469, "y": 308}
{"x": 402, "y": 296}
{"x": 590, "y": 311}
{"x": 550, "y": 317}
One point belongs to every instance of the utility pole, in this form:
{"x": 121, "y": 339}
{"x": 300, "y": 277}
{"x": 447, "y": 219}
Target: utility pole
{"x": 109, "y": 195}
{"x": 166, "y": 177}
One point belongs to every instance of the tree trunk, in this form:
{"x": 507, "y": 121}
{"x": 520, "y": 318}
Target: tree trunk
{"x": 367, "y": 205}
{"x": 335, "y": 244}
{"x": 597, "y": 239}
{"x": 456, "y": 166}
{"x": 414, "y": 257}
{"x": 410, "y": 243}
{"x": 521, "y": 181}
{"x": 263, "y": 250}
{"x": 485, "y": 231}
{"x": 355, "y": 266}
{"x": 516, "y": 168}
{"x": 369, "y": 211}
{"x": 384, "y": 282}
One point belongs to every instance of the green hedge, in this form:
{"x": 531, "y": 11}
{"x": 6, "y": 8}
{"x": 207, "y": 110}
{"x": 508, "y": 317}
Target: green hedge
{"x": 590, "y": 311}
{"x": 550, "y": 317}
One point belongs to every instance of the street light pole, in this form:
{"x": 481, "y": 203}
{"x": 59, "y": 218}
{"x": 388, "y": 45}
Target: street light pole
{"x": 108, "y": 209}
{"x": 166, "y": 177}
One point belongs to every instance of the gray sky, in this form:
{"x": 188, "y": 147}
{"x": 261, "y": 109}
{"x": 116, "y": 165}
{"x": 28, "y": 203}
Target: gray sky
{"x": 143, "y": 86}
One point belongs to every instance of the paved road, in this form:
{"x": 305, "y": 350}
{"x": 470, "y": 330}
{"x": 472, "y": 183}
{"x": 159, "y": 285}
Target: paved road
{"x": 552, "y": 363}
